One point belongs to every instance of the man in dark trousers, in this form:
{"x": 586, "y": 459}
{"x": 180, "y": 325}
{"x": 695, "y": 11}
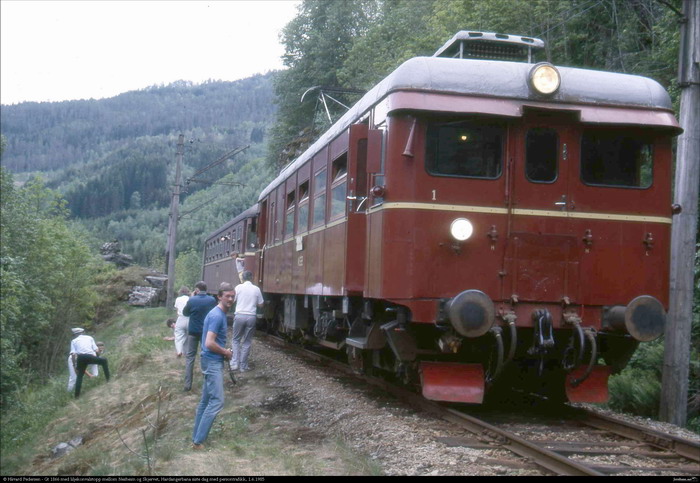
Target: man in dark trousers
{"x": 83, "y": 352}
{"x": 197, "y": 308}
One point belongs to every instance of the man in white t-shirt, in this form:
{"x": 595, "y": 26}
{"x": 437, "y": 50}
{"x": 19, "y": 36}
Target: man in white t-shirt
{"x": 83, "y": 351}
{"x": 91, "y": 371}
{"x": 248, "y": 299}
{"x": 182, "y": 322}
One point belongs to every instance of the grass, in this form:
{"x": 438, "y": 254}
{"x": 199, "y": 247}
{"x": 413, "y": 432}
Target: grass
{"x": 118, "y": 421}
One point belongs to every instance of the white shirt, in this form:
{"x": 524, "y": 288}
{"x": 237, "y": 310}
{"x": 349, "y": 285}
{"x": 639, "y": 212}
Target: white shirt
{"x": 83, "y": 344}
{"x": 248, "y": 297}
{"x": 180, "y": 303}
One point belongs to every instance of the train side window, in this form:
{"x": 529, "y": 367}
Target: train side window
{"x": 541, "y": 148}
{"x": 339, "y": 186}
{"x": 289, "y": 217}
{"x": 381, "y": 152}
{"x": 616, "y": 158}
{"x": 252, "y": 233}
{"x": 271, "y": 221}
{"x": 319, "y": 213}
{"x": 279, "y": 215}
{"x": 303, "y": 221}
{"x": 464, "y": 149}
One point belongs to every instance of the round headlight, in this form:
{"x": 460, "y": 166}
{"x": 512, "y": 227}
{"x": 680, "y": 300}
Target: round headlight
{"x": 461, "y": 229}
{"x": 544, "y": 78}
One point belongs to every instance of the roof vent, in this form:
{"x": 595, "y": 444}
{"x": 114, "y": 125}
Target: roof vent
{"x": 488, "y": 45}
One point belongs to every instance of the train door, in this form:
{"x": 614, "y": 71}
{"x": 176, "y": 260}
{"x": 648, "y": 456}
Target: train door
{"x": 357, "y": 205}
{"x": 541, "y": 256}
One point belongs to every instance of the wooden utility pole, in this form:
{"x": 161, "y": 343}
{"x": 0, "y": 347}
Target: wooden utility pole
{"x": 674, "y": 384}
{"x": 172, "y": 231}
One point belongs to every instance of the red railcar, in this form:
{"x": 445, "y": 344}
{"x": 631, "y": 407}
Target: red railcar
{"x": 472, "y": 223}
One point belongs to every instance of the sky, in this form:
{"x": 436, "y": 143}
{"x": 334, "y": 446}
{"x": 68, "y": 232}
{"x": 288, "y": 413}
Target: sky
{"x": 63, "y": 50}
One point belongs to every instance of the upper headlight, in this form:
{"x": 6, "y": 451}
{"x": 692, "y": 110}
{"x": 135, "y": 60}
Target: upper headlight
{"x": 461, "y": 229}
{"x": 544, "y": 78}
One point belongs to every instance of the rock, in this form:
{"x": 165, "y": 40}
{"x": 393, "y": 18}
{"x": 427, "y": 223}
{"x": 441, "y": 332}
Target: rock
{"x": 119, "y": 259}
{"x": 64, "y": 448}
{"x": 160, "y": 281}
{"x": 150, "y": 296}
{"x": 75, "y": 442}
{"x": 111, "y": 252}
{"x": 144, "y": 296}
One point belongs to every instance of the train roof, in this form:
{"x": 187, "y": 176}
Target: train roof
{"x": 249, "y": 213}
{"x": 495, "y": 79}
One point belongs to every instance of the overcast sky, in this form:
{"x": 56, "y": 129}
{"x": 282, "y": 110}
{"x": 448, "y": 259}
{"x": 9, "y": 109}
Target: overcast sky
{"x": 60, "y": 50}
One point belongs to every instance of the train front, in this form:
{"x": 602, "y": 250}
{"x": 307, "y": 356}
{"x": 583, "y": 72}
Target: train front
{"x": 520, "y": 224}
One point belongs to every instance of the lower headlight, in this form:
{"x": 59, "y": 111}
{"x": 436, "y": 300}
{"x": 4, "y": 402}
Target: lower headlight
{"x": 461, "y": 229}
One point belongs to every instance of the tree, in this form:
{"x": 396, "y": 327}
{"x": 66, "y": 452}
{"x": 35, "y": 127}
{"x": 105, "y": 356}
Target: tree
{"x": 317, "y": 42}
{"x": 46, "y": 272}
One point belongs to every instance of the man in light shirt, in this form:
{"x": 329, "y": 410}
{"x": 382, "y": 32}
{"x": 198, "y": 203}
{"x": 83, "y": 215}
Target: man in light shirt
{"x": 248, "y": 299}
{"x": 83, "y": 351}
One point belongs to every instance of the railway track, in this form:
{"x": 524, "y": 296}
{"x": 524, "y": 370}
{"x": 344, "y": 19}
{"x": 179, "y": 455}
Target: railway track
{"x": 575, "y": 441}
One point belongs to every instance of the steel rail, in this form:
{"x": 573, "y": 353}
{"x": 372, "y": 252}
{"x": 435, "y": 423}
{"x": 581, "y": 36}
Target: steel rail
{"x": 543, "y": 457}
{"x": 681, "y": 446}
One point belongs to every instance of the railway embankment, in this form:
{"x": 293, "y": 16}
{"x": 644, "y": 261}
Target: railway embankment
{"x": 140, "y": 422}
{"x": 285, "y": 417}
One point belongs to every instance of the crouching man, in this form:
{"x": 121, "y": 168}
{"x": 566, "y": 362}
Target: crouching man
{"x": 83, "y": 352}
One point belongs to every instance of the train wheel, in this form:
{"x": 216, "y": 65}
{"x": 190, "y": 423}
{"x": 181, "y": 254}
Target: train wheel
{"x": 359, "y": 360}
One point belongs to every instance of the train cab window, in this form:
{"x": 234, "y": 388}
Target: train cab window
{"x": 289, "y": 217}
{"x": 319, "y": 213}
{"x": 339, "y": 186}
{"x": 616, "y": 158}
{"x": 541, "y": 148}
{"x": 465, "y": 149}
{"x": 303, "y": 221}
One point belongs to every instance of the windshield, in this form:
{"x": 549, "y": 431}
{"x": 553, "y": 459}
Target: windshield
{"x": 465, "y": 149}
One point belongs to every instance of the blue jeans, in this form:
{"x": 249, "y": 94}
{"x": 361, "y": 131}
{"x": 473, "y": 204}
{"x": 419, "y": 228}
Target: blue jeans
{"x": 212, "y": 401}
{"x": 243, "y": 330}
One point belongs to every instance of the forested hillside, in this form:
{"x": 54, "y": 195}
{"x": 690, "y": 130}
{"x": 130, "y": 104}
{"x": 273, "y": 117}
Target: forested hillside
{"x": 114, "y": 159}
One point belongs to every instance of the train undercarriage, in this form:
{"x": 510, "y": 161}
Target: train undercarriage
{"x": 378, "y": 338}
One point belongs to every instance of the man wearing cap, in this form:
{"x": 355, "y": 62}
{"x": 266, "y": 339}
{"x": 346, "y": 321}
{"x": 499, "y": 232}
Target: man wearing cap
{"x": 91, "y": 371}
{"x": 197, "y": 308}
{"x": 83, "y": 352}
{"x": 213, "y": 357}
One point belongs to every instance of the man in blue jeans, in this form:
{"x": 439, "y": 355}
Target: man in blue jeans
{"x": 212, "y": 359}
{"x": 197, "y": 308}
